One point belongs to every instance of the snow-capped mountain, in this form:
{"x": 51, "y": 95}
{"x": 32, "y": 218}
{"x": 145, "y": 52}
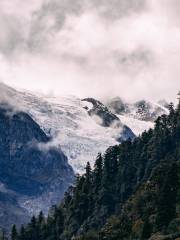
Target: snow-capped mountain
{"x": 68, "y": 123}
{"x": 81, "y": 128}
{"x": 78, "y": 128}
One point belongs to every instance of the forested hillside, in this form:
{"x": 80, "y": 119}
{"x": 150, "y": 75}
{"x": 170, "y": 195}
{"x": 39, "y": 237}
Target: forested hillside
{"x": 132, "y": 193}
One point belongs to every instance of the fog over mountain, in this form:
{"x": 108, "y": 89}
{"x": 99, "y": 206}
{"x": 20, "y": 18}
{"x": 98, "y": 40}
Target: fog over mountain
{"x": 127, "y": 48}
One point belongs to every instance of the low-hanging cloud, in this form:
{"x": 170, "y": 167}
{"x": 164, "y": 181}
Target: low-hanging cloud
{"x": 127, "y": 48}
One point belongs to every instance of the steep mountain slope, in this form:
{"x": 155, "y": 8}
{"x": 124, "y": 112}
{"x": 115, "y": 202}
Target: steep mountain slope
{"x": 68, "y": 123}
{"x": 81, "y": 128}
{"x": 133, "y": 193}
{"x": 33, "y": 175}
{"x": 66, "y": 120}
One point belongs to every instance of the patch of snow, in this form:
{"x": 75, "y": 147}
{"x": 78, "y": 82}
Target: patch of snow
{"x": 159, "y": 106}
{"x": 137, "y": 126}
{"x": 87, "y": 105}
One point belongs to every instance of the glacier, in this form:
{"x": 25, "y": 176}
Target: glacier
{"x": 66, "y": 120}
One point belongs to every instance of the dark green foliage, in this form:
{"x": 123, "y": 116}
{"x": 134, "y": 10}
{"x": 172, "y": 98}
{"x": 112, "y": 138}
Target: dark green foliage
{"x": 146, "y": 230}
{"x": 22, "y": 233}
{"x": 131, "y": 194}
{"x": 14, "y": 234}
{"x": 167, "y": 197}
{"x": 98, "y": 171}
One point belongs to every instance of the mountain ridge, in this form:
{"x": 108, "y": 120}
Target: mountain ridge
{"x": 69, "y": 124}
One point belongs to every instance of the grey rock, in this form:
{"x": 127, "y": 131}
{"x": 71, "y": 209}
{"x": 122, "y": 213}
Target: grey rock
{"x": 33, "y": 175}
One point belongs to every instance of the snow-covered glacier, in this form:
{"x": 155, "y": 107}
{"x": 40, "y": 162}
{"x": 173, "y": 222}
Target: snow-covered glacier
{"x": 66, "y": 120}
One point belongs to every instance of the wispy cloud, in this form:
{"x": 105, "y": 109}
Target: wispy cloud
{"x": 128, "y": 48}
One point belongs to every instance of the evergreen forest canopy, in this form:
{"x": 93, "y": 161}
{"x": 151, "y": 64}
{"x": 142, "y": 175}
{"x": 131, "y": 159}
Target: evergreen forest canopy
{"x": 132, "y": 193}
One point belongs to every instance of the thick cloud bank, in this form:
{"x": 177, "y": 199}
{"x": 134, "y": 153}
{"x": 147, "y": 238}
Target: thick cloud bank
{"x": 129, "y": 48}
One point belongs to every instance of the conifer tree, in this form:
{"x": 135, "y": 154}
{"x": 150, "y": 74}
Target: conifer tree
{"x": 88, "y": 172}
{"x": 14, "y": 234}
{"x": 59, "y": 221}
{"x": 40, "y": 218}
{"x": 34, "y": 228}
{"x": 22, "y": 234}
{"x": 98, "y": 170}
{"x": 171, "y": 107}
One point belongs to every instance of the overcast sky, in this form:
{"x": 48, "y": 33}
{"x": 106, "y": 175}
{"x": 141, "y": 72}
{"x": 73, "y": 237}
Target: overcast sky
{"x": 102, "y": 48}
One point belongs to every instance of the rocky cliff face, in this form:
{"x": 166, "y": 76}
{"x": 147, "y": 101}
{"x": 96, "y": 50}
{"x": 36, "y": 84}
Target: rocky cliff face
{"x": 106, "y": 118}
{"x": 33, "y": 175}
